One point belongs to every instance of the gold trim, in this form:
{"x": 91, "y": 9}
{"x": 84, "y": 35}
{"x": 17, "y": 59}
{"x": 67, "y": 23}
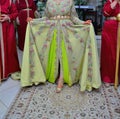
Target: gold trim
{"x": 59, "y": 17}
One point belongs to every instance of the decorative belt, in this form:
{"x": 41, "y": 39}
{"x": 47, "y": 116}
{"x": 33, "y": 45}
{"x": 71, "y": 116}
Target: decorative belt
{"x": 114, "y": 18}
{"x": 27, "y": 9}
{"x": 111, "y": 18}
{"x": 59, "y": 17}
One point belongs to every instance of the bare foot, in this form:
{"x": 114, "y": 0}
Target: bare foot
{"x": 60, "y": 85}
{"x": 108, "y": 84}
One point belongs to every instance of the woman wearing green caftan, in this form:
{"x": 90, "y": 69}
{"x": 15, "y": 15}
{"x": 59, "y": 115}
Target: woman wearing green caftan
{"x": 60, "y": 46}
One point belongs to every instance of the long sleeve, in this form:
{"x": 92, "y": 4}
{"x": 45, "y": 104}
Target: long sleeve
{"x": 18, "y": 6}
{"x": 13, "y": 12}
{"x": 108, "y": 11}
{"x": 74, "y": 16}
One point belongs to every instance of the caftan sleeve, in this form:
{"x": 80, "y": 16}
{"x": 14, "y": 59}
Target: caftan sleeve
{"x": 44, "y": 17}
{"x": 13, "y": 12}
{"x": 74, "y": 16}
{"x": 107, "y": 10}
{"x": 46, "y": 13}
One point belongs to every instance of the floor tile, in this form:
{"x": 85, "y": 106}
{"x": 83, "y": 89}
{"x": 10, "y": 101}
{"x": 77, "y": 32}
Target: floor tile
{"x": 3, "y": 110}
{"x": 98, "y": 37}
{"x": 9, "y": 83}
{"x": 7, "y": 96}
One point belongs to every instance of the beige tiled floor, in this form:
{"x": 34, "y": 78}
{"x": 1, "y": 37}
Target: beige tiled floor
{"x": 10, "y": 88}
{"x": 8, "y": 92}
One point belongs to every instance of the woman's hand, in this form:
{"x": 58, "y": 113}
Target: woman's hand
{"x": 87, "y": 22}
{"x": 114, "y": 3}
{"x": 4, "y": 17}
{"x": 29, "y": 19}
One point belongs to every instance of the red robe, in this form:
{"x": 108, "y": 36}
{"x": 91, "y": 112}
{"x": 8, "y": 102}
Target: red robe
{"x": 8, "y": 53}
{"x": 22, "y": 16}
{"x": 109, "y": 40}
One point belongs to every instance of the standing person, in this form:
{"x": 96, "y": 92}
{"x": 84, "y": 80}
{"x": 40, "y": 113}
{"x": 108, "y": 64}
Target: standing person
{"x": 109, "y": 41}
{"x": 8, "y": 53}
{"x": 60, "y": 47}
{"x": 26, "y": 9}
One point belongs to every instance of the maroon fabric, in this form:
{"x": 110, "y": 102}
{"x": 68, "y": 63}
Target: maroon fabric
{"x": 109, "y": 41}
{"x": 11, "y": 63}
{"x": 21, "y": 5}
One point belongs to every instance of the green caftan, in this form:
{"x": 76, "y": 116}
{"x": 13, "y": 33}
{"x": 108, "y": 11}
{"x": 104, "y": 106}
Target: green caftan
{"x": 67, "y": 42}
